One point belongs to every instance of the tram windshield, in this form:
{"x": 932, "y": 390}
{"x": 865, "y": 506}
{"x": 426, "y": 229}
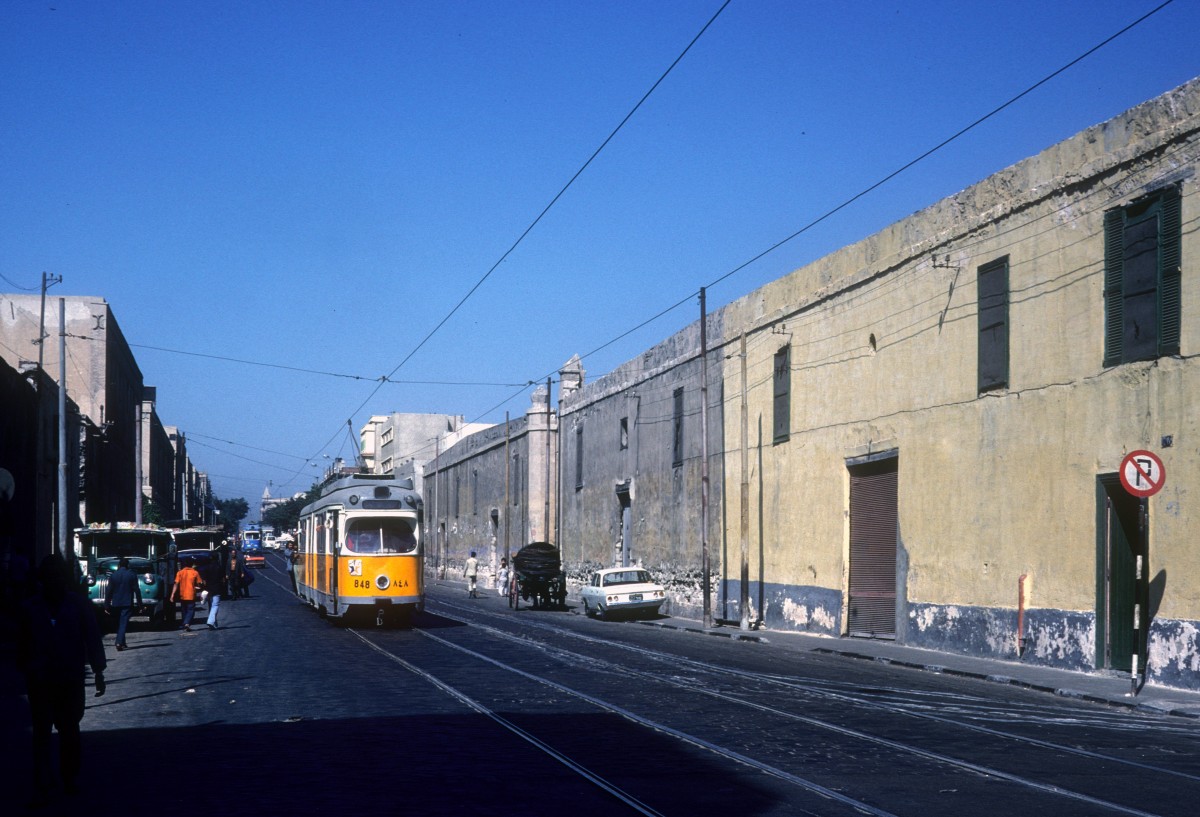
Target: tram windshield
{"x": 387, "y": 535}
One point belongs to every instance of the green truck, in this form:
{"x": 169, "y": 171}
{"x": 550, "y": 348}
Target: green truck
{"x": 151, "y": 552}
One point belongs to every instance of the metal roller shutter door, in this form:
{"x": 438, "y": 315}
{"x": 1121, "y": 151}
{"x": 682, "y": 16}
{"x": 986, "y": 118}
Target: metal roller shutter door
{"x": 873, "y": 531}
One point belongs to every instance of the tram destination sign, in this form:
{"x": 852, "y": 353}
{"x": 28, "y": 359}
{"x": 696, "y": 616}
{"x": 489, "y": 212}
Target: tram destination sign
{"x": 1142, "y": 473}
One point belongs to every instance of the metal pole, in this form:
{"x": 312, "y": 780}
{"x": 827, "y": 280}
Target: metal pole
{"x": 706, "y": 578}
{"x": 137, "y": 447}
{"x": 744, "y": 525}
{"x": 507, "y": 486}
{"x": 437, "y": 455}
{"x": 62, "y": 428}
{"x": 546, "y": 523}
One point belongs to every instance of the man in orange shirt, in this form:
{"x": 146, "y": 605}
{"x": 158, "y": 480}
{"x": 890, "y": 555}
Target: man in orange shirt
{"x": 186, "y": 589}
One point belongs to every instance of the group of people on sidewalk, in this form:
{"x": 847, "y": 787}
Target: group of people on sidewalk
{"x": 223, "y": 575}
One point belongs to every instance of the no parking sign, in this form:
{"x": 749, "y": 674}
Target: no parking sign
{"x": 1142, "y": 473}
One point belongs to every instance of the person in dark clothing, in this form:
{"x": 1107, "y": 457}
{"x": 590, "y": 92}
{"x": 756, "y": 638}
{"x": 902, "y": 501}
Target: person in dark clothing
{"x": 122, "y": 594}
{"x": 214, "y": 579}
{"x": 58, "y": 638}
{"x": 237, "y": 571}
{"x": 289, "y": 555}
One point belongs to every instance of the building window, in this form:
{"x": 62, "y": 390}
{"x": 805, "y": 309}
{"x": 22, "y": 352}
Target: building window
{"x": 514, "y": 479}
{"x": 677, "y": 424}
{"x": 1141, "y": 278}
{"x": 578, "y": 456}
{"x": 624, "y": 433}
{"x": 782, "y": 385}
{"x": 992, "y": 286}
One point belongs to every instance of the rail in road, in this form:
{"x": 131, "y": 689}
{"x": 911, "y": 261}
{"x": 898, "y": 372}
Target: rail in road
{"x": 861, "y": 735}
{"x": 549, "y": 711}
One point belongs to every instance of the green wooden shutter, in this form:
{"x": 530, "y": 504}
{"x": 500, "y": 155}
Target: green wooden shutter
{"x": 782, "y": 408}
{"x": 1170, "y": 272}
{"x": 1114, "y": 266}
{"x": 992, "y": 297}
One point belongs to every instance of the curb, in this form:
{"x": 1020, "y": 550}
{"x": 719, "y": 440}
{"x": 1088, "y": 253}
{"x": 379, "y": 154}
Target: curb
{"x": 1007, "y": 680}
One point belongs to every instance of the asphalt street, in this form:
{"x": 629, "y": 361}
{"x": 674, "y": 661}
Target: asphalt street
{"x": 482, "y": 710}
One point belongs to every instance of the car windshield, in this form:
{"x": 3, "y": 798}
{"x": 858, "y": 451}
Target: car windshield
{"x": 386, "y": 535}
{"x": 627, "y": 577}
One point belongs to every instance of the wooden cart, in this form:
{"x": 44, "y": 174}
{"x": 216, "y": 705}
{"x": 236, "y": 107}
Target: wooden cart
{"x": 537, "y": 577}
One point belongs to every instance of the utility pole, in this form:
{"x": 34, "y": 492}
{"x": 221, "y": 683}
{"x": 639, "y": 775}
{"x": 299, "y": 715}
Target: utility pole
{"x": 706, "y": 582}
{"x": 507, "y": 488}
{"x": 63, "y": 534}
{"x": 137, "y": 471}
{"x": 546, "y": 523}
{"x": 48, "y": 281}
{"x": 744, "y": 524}
{"x": 437, "y": 453}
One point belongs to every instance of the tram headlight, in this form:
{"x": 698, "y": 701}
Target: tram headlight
{"x": 353, "y": 499}
{"x": 382, "y": 582}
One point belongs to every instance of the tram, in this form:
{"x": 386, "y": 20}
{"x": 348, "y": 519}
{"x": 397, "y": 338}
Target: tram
{"x": 359, "y": 550}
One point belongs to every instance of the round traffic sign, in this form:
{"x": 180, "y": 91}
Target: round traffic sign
{"x": 1142, "y": 473}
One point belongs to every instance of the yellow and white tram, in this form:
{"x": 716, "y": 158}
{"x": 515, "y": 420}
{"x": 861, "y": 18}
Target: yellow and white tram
{"x": 359, "y": 550}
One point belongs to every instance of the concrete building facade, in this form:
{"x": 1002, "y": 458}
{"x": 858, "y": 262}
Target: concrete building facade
{"x": 103, "y": 380}
{"x": 927, "y": 435}
{"x": 492, "y": 491}
{"x": 952, "y": 401}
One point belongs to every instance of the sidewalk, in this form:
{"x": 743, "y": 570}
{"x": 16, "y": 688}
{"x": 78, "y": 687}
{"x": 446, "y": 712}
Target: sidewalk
{"x": 1114, "y": 690}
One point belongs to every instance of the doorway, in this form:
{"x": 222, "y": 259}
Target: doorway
{"x": 1120, "y": 544}
{"x": 874, "y": 530}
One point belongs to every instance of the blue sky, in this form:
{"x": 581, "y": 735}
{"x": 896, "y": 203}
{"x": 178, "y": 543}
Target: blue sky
{"x": 316, "y": 185}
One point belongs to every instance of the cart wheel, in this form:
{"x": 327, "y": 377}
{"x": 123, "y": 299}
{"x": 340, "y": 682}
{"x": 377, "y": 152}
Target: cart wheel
{"x": 514, "y": 601}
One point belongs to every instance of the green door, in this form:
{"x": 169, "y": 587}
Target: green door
{"x": 1118, "y": 542}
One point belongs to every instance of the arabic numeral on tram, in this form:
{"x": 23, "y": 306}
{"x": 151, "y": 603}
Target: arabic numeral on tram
{"x": 362, "y": 584}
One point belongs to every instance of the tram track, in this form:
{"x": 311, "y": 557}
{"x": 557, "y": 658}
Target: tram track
{"x": 854, "y": 805}
{"x": 775, "y": 711}
{"x": 736, "y": 687}
{"x": 823, "y": 690}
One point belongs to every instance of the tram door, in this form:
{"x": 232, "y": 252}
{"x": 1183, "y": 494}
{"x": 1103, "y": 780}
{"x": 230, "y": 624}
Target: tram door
{"x": 1118, "y": 543}
{"x": 874, "y": 530}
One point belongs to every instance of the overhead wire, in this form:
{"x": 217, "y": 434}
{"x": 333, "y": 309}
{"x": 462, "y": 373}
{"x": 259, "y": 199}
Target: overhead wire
{"x": 303, "y": 370}
{"x": 941, "y": 144}
{"x": 773, "y": 247}
{"x": 548, "y": 207}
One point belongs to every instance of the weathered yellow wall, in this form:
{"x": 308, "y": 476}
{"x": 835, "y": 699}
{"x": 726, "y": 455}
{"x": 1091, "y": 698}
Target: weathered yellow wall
{"x": 992, "y": 486}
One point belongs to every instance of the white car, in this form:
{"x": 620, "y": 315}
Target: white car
{"x": 622, "y": 589}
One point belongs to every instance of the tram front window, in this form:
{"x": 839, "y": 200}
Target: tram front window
{"x": 380, "y": 536}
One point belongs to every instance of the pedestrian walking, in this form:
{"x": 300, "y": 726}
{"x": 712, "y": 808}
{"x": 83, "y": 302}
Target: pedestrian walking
{"x": 471, "y": 571}
{"x": 289, "y": 555}
{"x": 186, "y": 590}
{"x": 502, "y": 578}
{"x": 234, "y": 573}
{"x": 123, "y": 592}
{"x": 214, "y": 580}
{"x": 58, "y": 638}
